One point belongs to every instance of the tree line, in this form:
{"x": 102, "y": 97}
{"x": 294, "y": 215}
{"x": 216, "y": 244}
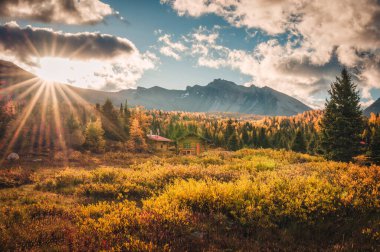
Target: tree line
{"x": 339, "y": 132}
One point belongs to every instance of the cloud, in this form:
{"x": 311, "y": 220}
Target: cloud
{"x": 170, "y": 48}
{"x": 29, "y": 42}
{"x": 57, "y": 11}
{"x": 268, "y": 15}
{"x": 283, "y": 68}
{"x": 86, "y": 59}
{"x": 321, "y": 34}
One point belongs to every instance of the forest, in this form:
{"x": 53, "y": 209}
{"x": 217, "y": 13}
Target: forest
{"x": 108, "y": 128}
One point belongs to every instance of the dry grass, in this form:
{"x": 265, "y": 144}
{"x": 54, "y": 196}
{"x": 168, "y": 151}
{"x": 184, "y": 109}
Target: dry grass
{"x": 247, "y": 200}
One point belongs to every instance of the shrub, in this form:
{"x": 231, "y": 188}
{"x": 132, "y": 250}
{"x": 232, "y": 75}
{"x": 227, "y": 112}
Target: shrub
{"x": 15, "y": 177}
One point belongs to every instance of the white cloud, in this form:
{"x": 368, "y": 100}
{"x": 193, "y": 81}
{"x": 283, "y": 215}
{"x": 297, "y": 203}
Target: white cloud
{"x": 168, "y": 51}
{"x": 319, "y": 32}
{"x": 93, "y": 60}
{"x": 283, "y": 68}
{"x": 170, "y": 48}
{"x": 57, "y": 11}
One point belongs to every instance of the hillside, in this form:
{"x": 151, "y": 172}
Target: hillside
{"x": 217, "y": 96}
{"x": 373, "y": 108}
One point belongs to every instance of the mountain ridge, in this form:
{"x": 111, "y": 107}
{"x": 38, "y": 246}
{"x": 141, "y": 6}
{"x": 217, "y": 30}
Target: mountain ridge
{"x": 373, "y": 108}
{"x": 217, "y": 96}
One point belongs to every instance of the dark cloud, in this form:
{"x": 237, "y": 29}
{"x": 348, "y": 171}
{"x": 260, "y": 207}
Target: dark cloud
{"x": 29, "y": 43}
{"x": 59, "y": 11}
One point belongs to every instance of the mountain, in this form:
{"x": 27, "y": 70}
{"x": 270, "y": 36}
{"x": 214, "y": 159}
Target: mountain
{"x": 218, "y": 96}
{"x": 373, "y": 108}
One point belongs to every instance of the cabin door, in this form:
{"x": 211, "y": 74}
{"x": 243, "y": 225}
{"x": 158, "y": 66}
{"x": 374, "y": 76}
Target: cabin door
{"x": 198, "y": 148}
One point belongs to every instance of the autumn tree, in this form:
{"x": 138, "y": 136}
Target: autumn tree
{"x": 342, "y": 122}
{"x": 6, "y": 115}
{"x": 136, "y": 140}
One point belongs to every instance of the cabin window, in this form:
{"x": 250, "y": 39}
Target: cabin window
{"x": 186, "y": 145}
{"x": 162, "y": 146}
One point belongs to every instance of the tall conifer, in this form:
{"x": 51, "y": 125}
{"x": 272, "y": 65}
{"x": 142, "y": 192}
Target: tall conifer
{"x": 342, "y": 122}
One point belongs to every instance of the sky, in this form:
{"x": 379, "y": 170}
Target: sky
{"x": 294, "y": 46}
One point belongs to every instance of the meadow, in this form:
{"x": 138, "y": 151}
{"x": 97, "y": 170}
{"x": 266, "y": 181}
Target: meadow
{"x": 248, "y": 200}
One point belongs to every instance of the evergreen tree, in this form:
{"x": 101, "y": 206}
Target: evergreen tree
{"x": 121, "y": 110}
{"x": 263, "y": 141}
{"x": 127, "y": 113}
{"x": 94, "y": 139}
{"x": 229, "y": 130}
{"x": 126, "y": 119}
{"x": 342, "y": 122}
{"x": 244, "y": 135}
{"x": 375, "y": 145}
{"x": 110, "y": 121}
{"x": 233, "y": 142}
{"x": 299, "y": 144}
{"x": 74, "y": 133}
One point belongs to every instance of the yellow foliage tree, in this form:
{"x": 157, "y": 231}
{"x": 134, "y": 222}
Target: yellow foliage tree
{"x": 136, "y": 140}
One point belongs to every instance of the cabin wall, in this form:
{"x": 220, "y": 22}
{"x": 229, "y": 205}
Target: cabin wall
{"x": 160, "y": 146}
{"x": 191, "y": 145}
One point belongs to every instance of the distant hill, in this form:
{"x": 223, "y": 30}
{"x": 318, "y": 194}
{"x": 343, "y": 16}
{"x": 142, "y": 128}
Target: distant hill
{"x": 373, "y": 108}
{"x": 217, "y": 96}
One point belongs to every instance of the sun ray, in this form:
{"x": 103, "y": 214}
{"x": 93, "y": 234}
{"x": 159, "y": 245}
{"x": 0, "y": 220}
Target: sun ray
{"x": 19, "y": 85}
{"x": 7, "y": 143}
{"x": 79, "y": 50}
{"x": 84, "y": 103}
{"x": 58, "y": 122}
{"x": 67, "y": 100}
{"x": 28, "y": 91}
{"x": 42, "y": 128}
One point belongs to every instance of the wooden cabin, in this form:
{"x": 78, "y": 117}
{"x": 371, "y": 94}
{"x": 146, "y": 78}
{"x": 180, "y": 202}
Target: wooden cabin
{"x": 159, "y": 143}
{"x": 192, "y": 144}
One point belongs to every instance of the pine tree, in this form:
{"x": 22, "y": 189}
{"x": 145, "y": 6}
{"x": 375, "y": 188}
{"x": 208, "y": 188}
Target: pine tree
{"x": 127, "y": 113}
{"x": 375, "y": 145}
{"x": 126, "y": 119}
{"x": 94, "y": 139}
{"x": 110, "y": 121}
{"x": 229, "y": 130}
{"x": 299, "y": 144}
{"x": 244, "y": 135}
{"x": 233, "y": 142}
{"x": 121, "y": 110}
{"x": 136, "y": 140}
{"x": 74, "y": 133}
{"x": 342, "y": 122}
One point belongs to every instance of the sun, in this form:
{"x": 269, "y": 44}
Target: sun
{"x": 64, "y": 70}
{"x": 53, "y": 69}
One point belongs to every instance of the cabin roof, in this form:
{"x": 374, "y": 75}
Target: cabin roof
{"x": 158, "y": 138}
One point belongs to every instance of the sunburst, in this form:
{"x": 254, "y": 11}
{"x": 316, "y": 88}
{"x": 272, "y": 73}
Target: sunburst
{"x": 43, "y": 101}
